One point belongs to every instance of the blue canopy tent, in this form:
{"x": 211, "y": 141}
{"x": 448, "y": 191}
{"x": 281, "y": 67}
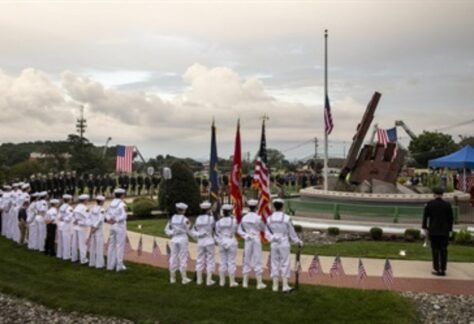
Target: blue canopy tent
{"x": 462, "y": 159}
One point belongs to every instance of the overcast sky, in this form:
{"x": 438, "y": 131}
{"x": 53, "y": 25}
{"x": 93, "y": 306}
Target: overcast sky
{"x": 155, "y": 74}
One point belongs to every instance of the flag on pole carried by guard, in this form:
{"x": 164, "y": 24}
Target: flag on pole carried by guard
{"x": 261, "y": 179}
{"x": 124, "y": 158}
{"x": 236, "y": 176}
{"x": 156, "y": 253}
{"x": 213, "y": 173}
{"x": 328, "y": 122}
{"x": 361, "y": 273}
{"x": 387, "y": 275}
{"x": 315, "y": 267}
{"x": 140, "y": 246}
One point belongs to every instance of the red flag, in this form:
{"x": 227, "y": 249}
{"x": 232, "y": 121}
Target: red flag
{"x": 236, "y": 175}
{"x": 156, "y": 253}
{"x": 140, "y": 246}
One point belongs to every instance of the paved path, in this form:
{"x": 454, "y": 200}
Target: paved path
{"x": 409, "y": 275}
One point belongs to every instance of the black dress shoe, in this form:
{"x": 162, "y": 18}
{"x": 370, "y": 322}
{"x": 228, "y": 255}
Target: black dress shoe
{"x": 442, "y": 273}
{"x": 436, "y": 273}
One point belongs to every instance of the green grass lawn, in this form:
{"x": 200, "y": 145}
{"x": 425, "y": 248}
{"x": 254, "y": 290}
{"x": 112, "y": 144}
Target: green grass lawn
{"x": 143, "y": 294}
{"x": 362, "y": 249}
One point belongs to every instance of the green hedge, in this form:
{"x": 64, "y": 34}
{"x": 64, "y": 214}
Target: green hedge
{"x": 143, "y": 207}
{"x": 376, "y": 233}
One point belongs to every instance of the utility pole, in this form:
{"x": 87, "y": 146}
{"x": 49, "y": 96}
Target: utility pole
{"x": 81, "y": 125}
{"x": 315, "y": 149}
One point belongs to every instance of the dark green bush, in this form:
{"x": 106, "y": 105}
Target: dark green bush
{"x": 143, "y": 207}
{"x": 333, "y": 231}
{"x": 412, "y": 234}
{"x": 376, "y": 233}
{"x": 298, "y": 228}
{"x": 182, "y": 187}
{"x": 463, "y": 236}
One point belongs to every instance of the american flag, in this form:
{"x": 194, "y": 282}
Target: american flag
{"x": 156, "y": 253}
{"x": 361, "y": 273}
{"x": 269, "y": 263}
{"x": 124, "y": 158}
{"x": 261, "y": 179}
{"x": 387, "y": 275}
{"x": 336, "y": 269}
{"x": 128, "y": 246}
{"x": 140, "y": 246}
{"x": 385, "y": 136}
{"x": 328, "y": 123}
{"x": 315, "y": 267}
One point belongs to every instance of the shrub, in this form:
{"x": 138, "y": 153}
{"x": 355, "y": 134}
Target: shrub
{"x": 333, "y": 231}
{"x": 298, "y": 228}
{"x": 143, "y": 207}
{"x": 181, "y": 187}
{"x": 376, "y": 233}
{"x": 463, "y": 236}
{"x": 412, "y": 234}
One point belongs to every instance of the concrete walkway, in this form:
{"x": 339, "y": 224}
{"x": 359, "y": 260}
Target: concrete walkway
{"x": 409, "y": 275}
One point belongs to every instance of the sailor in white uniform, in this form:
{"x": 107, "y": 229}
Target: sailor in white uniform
{"x": 226, "y": 227}
{"x": 96, "y": 221}
{"x": 80, "y": 222}
{"x": 116, "y": 216}
{"x": 65, "y": 228}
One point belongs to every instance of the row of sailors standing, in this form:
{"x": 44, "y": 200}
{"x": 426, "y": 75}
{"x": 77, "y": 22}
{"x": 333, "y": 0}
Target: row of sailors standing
{"x": 58, "y": 229}
{"x": 279, "y": 231}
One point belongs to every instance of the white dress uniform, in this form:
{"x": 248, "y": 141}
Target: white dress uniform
{"x": 41, "y": 209}
{"x": 226, "y": 228}
{"x": 80, "y": 220}
{"x": 178, "y": 228}
{"x": 96, "y": 250}
{"x": 6, "y": 206}
{"x": 13, "y": 230}
{"x": 32, "y": 225}
{"x": 203, "y": 232}
{"x": 249, "y": 229}
{"x": 64, "y": 231}
{"x": 279, "y": 232}
{"x": 118, "y": 233}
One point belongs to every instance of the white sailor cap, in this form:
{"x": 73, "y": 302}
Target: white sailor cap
{"x": 278, "y": 201}
{"x": 54, "y": 201}
{"x": 99, "y": 198}
{"x": 252, "y": 202}
{"x": 67, "y": 196}
{"x": 43, "y": 194}
{"x": 205, "y": 205}
{"x": 84, "y": 197}
{"x": 15, "y": 185}
{"x": 181, "y": 206}
{"x": 34, "y": 194}
{"x": 7, "y": 187}
{"x": 25, "y": 186}
{"x": 119, "y": 191}
{"x": 227, "y": 207}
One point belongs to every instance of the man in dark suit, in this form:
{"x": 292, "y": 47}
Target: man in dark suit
{"x": 438, "y": 224}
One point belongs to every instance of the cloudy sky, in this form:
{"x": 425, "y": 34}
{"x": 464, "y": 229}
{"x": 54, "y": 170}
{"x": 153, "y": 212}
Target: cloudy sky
{"x": 155, "y": 73}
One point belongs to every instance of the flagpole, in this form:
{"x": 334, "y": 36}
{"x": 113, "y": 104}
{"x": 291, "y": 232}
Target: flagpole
{"x": 325, "y": 96}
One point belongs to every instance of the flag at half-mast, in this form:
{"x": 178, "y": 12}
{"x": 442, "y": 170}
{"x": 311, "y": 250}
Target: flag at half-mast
{"x": 213, "y": 172}
{"x": 124, "y": 158}
{"x": 328, "y": 123}
{"x": 261, "y": 179}
{"x": 236, "y": 176}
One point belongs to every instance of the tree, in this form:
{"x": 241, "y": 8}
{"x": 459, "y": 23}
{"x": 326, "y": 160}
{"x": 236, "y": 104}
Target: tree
{"x": 431, "y": 145}
{"x": 275, "y": 158}
{"x": 181, "y": 187}
{"x": 467, "y": 140}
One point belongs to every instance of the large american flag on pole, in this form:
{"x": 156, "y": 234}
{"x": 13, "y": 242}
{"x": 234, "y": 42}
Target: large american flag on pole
{"x": 261, "y": 179}
{"x": 387, "y": 275}
{"x": 328, "y": 123}
{"x": 124, "y": 158}
{"x": 385, "y": 136}
{"x": 315, "y": 267}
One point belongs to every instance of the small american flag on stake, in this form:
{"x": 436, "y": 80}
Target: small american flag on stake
{"x": 336, "y": 269}
{"x": 156, "y": 253}
{"x": 269, "y": 263}
{"x": 387, "y": 275}
{"x": 140, "y": 246}
{"x": 315, "y": 267}
{"x": 361, "y": 273}
{"x": 124, "y": 158}
{"x": 128, "y": 246}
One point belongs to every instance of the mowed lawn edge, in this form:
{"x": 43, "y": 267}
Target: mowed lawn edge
{"x": 143, "y": 294}
{"x": 356, "y": 249}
